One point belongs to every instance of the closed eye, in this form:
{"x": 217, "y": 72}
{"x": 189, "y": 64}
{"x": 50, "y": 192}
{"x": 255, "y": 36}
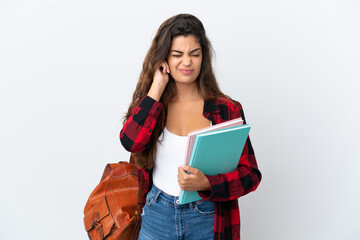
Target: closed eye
{"x": 194, "y": 55}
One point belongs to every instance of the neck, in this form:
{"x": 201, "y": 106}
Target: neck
{"x": 187, "y": 92}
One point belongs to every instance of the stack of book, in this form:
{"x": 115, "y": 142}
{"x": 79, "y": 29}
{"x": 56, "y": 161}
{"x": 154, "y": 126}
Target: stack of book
{"x": 214, "y": 150}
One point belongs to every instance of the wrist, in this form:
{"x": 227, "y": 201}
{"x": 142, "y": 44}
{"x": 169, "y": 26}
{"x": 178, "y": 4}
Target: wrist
{"x": 206, "y": 184}
{"x": 155, "y": 92}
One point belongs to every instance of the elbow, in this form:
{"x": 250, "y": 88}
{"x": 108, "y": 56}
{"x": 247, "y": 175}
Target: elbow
{"x": 251, "y": 181}
{"x": 258, "y": 174}
{"x": 128, "y": 144}
{"x": 256, "y": 178}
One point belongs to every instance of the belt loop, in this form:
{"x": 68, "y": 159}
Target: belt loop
{"x": 156, "y": 195}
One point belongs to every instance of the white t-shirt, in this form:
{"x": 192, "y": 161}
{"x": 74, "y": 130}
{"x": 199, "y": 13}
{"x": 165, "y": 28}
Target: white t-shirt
{"x": 170, "y": 155}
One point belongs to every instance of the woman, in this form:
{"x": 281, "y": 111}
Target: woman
{"x": 177, "y": 93}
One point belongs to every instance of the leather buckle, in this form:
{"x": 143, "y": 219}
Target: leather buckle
{"x": 97, "y": 225}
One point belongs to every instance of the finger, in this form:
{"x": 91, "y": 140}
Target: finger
{"x": 189, "y": 169}
{"x": 179, "y": 174}
{"x": 180, "y": 181}
{"x": 184, "y": 178}
{"x": 163, "y": 68}
{"x": 182, "y": 174}
{"x": 167, "y": 67}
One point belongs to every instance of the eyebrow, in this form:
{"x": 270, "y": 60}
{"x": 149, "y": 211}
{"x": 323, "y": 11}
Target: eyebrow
{"x": 182, "y": 52}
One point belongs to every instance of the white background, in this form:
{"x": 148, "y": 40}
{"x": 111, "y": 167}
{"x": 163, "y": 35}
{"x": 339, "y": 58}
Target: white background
{"x": 68, "y": 70}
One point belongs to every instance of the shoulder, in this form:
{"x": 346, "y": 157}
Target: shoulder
{"x": 231, "y": 104}
{"x": 223, "y": 109}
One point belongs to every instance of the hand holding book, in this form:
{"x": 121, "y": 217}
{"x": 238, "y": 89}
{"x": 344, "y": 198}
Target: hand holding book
{"x": 192, "y": 179}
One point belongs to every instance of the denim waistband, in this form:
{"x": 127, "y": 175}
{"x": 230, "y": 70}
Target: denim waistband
{"x": 169, "y": 199}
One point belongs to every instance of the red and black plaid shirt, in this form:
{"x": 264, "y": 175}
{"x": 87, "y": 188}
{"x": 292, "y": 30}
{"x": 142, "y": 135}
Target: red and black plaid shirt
{"x": 225, "y": 188}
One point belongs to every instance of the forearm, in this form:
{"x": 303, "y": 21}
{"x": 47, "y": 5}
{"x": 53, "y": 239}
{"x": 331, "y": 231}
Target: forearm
{"x": 232, "y": 185}
{"x": 138, "y": 128}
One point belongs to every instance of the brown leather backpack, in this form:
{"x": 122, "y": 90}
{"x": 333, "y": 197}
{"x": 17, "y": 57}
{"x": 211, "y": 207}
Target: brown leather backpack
{"x": 113, "y": 210}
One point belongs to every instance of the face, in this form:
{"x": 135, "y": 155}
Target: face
{"x": 185, "y": 59}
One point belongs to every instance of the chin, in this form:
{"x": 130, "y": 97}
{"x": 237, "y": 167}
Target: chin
{"x": 184, "y": 79}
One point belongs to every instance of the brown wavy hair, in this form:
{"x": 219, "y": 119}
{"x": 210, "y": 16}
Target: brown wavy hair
{"x": 179, "y": 25}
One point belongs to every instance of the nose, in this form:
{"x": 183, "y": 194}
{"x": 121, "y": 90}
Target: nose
{"x": 187, "y": 60}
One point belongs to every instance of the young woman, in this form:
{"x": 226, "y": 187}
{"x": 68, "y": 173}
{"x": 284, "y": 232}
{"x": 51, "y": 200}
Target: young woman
{"x": 177, "y": 93}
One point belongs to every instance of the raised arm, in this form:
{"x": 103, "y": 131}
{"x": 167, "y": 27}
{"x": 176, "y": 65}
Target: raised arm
{"x": 138, "y": 128}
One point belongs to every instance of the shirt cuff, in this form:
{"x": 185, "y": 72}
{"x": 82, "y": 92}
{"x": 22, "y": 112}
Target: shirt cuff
{"x": 216, "y": 188}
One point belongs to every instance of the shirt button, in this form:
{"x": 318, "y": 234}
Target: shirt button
{"x": 157, "y": 109}
{"x": 150, "y": 131}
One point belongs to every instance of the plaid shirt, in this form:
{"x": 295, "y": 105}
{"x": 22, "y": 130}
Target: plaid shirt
{"x": 225, "y": 188}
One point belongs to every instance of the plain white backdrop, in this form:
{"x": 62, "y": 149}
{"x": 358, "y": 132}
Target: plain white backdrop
{"x": 68, "y": 70}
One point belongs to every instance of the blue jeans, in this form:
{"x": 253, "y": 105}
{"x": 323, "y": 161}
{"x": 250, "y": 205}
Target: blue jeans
{"x": 164, "y": 218}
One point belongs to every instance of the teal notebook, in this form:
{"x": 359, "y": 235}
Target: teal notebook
{"x": 216, "y": 152}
